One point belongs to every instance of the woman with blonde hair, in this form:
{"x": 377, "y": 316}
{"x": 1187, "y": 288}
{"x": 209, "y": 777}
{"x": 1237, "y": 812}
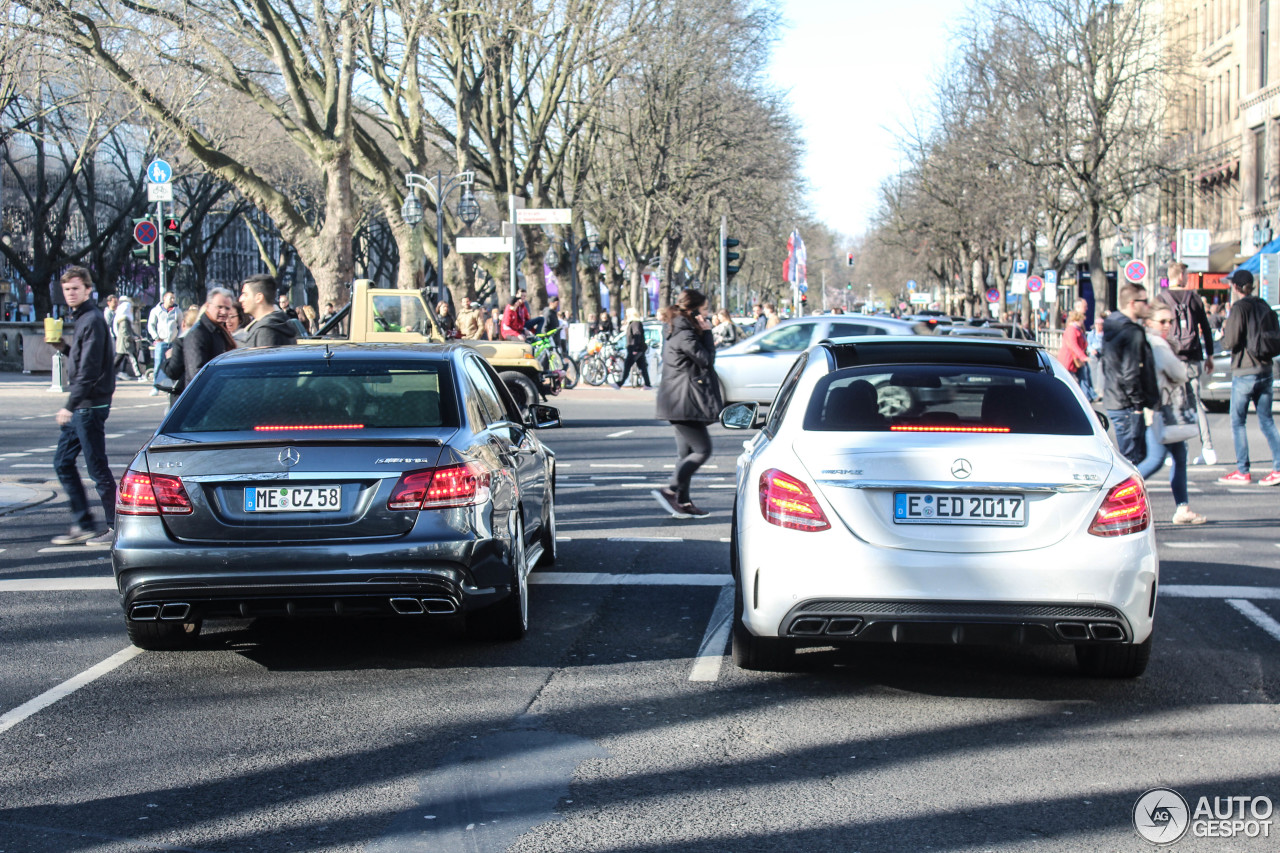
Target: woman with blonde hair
{"x": 1172, "y": 376}
{"x": 637, "y": 349}
{"x": 725, "y": 332}
{"x": 1072, "y": 355}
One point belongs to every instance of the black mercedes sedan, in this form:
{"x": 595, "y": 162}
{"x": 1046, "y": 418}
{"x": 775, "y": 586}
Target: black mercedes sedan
{"x": 337, "y": 479}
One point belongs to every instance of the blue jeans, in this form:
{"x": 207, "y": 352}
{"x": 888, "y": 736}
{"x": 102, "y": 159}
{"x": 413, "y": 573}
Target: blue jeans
{"x": 1156, "y": 452}
{"x": 1085, "y": 379}
{"x": 1131, "y": 433}
{"x": 87, "y": 432}
{"x": 1258, "y": 389}
{"x": 161, "y": 347}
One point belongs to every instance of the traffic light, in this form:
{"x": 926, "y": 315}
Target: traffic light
{"x": 171, "y": 247}
{"x": 730, "y": 268}
{"x": 804, "y": 298}
{"x": 850, "y": 256}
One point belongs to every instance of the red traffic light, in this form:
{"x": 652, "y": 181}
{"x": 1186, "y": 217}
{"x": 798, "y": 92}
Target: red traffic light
{"x": 172, "y": 225}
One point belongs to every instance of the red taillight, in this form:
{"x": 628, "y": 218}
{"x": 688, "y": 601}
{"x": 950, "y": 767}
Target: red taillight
{"x": 787, "y": 502}
{"x": 457, "y": 485}
{"x": 304, "y": 427}
{"x": 151, "y": 494}
{"x": 1124, "y": 510}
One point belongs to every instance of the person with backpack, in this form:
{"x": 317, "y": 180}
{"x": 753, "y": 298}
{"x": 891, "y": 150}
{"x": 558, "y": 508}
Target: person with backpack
{"x": 1252, "y": 336}
{"x": 1190, "y": 327}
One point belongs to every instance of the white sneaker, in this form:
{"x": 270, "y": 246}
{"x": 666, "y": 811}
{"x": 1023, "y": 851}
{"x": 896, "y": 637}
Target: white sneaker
{"x": 1184, "y": 515}
{"x": 154, "y": 392}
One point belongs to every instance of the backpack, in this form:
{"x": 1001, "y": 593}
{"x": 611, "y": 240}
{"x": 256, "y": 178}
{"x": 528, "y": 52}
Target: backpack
{"x": 1262, "y": 340}
{"x": 1185, "y": 336}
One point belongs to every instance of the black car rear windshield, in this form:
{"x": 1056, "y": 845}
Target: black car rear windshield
{"x": 923, "y": 398}
{"x": 341, "y": 395}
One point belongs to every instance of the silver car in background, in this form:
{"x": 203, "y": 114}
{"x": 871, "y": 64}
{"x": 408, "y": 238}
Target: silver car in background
{"x": 752, "y": 370}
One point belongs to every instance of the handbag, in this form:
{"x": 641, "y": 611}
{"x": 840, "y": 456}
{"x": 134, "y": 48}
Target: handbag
{"x": 174, "y": 363}
{"x": 1177, "y": 420}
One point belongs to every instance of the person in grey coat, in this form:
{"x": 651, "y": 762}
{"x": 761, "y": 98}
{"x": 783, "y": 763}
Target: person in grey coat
{"x": 689, "y": 397}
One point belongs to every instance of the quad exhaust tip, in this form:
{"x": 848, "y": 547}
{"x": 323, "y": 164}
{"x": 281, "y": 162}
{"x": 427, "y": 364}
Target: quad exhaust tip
{"x": 1077, "y": 632}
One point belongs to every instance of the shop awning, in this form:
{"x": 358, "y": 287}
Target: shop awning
{"x": 1254, "y": 263}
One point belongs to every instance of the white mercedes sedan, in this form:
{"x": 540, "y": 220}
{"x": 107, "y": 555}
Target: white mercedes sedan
{"x": 996, "y": 511}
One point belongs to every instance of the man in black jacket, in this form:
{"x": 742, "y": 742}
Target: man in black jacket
{"x": 271, "y": 327}
{"x": 83, "y": 419}
{"x": 1250, "y": 378}
{"x": 208, "y": 338}
{"x": 1130, "y": 372}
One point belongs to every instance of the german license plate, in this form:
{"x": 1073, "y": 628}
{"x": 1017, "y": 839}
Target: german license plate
{"x": 293, "y": 499}
{"x": 952, "y": 508}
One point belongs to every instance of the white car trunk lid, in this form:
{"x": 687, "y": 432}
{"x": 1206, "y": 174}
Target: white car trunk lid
{"x": 858, "y": 474}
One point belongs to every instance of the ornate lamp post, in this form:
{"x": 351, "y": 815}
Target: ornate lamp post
{"x": 595, "y": 258}
{"x": 439, "y": 188}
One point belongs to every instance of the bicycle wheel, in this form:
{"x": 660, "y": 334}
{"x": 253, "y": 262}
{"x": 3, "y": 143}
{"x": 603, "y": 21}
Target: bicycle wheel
{"x": 615, "y": 369}
{"x": 593, "y": 371}
{"x": 570, "y": 368}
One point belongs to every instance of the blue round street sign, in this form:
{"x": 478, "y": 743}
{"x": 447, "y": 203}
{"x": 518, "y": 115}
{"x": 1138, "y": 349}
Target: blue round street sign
{"x": 911, "y": 285}
{"x": 159, "y": 172}
{"x": 145, "y": 232}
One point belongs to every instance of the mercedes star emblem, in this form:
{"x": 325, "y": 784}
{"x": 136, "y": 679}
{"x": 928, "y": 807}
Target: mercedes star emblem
{"x": 960, "y": 469}
{"x": 289, "y": 457}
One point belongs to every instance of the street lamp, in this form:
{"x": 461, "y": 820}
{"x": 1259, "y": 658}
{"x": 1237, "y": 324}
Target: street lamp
{"x": 591, "y": 245}
{"x": 439, "y": 188}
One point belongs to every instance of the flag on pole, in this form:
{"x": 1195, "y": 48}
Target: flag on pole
{"x": 795, "y": 267}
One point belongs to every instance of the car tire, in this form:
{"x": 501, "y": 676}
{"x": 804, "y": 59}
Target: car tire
{"x": 762, "y": 654}
{"x": 1119, "y": 661}
{"x": 547, "y": 536}
{"x": 163, "y": 636}
{"x": 508, "y": 620}
{"x": 521, "y": 387}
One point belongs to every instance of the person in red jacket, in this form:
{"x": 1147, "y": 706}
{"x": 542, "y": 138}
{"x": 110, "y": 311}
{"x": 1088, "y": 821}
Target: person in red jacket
{"x": 1072, "y": 353}
{"x": 514, "y": 318}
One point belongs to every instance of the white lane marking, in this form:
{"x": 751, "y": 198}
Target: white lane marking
{"x": 1270, "y": 593}
{"x": 605, "y": 579}
{"x": 620, "y": 434}
{"x": 615, "y": 476}
{"x": 1192, "y": 490}
{"x": 615, "y": 465}
{"x": 563, "y": 485}
{"x": 66, "y": 688}
{"x": 564, "y": 538}
{"x": 725, "y": 539}
{"x": 703, "y": 468}
{"x": 31, "y": 465}
{"x": 1214, "y": 545}
{"x": 16, "y": 455}
{"x": 56, "y": 584}
{"x": 723, "y": 486}
{"x": 114, "y": 435}
{"x": 1242, "y": 491}
{"x": 1250, "y": 611}
{"x": 711, "y": 652}
{"x": 644, "y": 539}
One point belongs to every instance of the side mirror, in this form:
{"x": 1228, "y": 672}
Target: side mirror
{"x": 540, "y": 416}
{"x": 740, "y": 415}
{"x": 751, "y": 349}
{"x": 1103, "y": 419}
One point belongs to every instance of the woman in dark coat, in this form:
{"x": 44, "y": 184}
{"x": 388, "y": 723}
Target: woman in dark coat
{"x": 637, "y": 348}
{"x": 689, "y": 397}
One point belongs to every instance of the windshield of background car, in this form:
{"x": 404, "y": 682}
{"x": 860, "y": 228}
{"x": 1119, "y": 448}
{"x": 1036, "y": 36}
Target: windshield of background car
{"x": 790, "y": 338}
{"x": 400, "y": 312}
{"x": 348, "y": 395}
{"x": 950, "y": 398}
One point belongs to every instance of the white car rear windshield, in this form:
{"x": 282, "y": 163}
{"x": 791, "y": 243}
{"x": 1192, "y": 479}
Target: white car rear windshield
{"x": 924, "y": 398}
{"x": 345, "y": 395}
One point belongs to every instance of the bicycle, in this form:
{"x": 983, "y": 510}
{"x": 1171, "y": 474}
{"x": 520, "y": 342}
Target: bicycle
{"x": 546, "y": 351}
{"x": 602, "y": 363}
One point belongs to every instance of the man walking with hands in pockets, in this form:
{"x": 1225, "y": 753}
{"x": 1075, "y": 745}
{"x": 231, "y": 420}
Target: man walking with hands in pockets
{"x": 92, "y": 379}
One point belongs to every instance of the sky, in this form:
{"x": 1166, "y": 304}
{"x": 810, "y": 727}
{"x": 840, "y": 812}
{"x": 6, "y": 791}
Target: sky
{"x": 855, "y": 69}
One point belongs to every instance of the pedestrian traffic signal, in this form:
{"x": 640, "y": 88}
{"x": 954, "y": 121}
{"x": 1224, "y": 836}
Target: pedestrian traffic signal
{"x": 804, "y": 298}
{"x": 172, "y": 248}
{"x": 730, "y": 268}
{"x": 851, "y": 259}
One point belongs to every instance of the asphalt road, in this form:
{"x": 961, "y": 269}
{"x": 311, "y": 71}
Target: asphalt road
{"x": 618, "y": 724}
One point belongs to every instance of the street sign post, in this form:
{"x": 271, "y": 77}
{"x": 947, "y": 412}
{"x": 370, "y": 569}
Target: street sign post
{"x": 159, "y": 192}
{"x": 1135, "y": 271}
{"x": 159, "y": 172}
{"x": 1050, "y": 286}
